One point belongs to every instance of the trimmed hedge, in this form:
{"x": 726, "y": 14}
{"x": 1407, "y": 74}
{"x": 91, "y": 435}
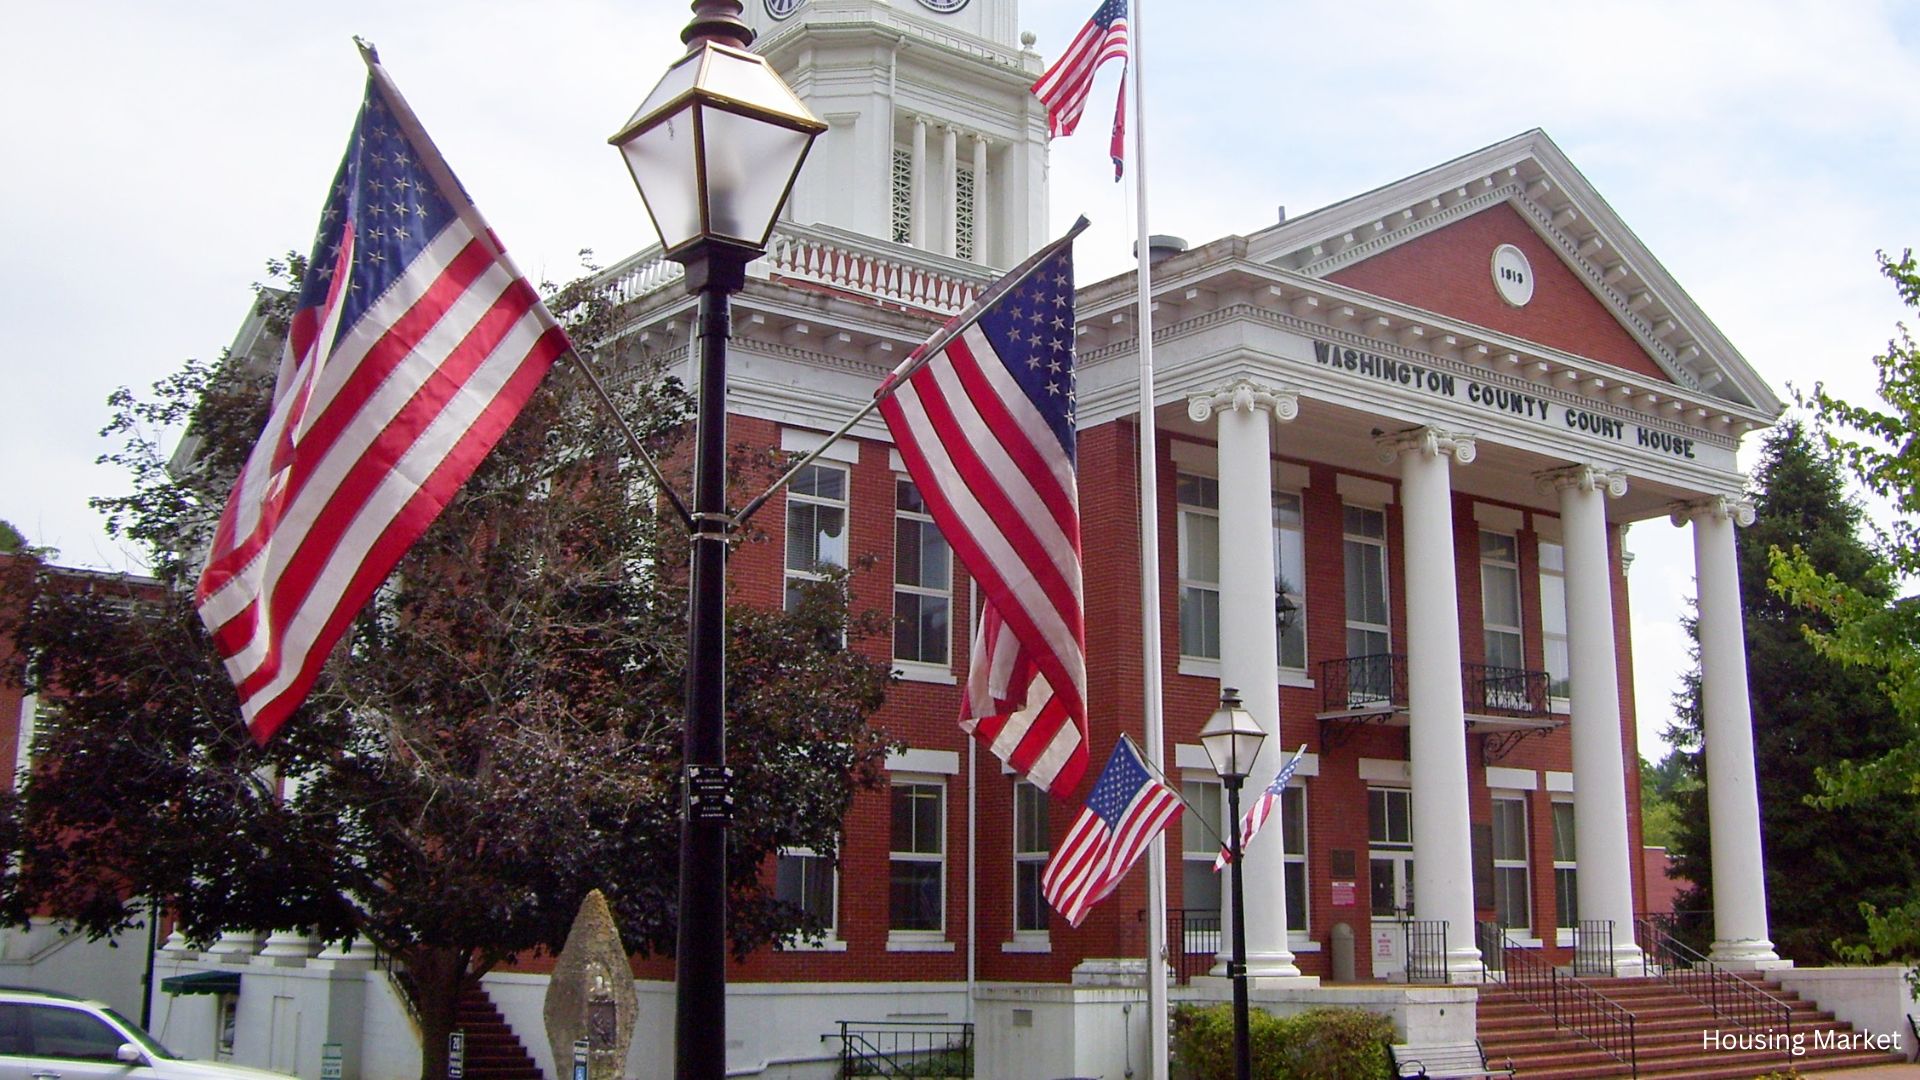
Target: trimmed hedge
{"x": 1319, "y": 1044}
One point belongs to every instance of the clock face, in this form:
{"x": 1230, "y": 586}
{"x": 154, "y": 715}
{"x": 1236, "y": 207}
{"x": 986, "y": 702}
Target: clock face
{"x": 780, "y": 9}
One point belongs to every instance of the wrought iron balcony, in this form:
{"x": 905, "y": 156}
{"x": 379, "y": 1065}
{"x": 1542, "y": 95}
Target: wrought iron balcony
{"x": 1375, "y": 688}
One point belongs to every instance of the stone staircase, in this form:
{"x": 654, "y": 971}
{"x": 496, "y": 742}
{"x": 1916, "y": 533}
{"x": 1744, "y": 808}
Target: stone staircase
{"x": 494, "y": 1052}
{"x": 1670, "y": 1029}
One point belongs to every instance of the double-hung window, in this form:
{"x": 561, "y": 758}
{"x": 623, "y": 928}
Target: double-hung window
{"x": 1553, "y": 618}
{"x": 1505, "y": 684}
{"x": 918, "y": 863}
{"x": 1566, "y": 895}
{"x": 1512, "y": 883}
{"x": 922, "y": 582}
{"x": 1198, "y": 498}
{"x": 808, "y": 881}
{"x": 1030, "y": 850}
{"x": 1290, "y": 584}
{"x": 1293, "y": 845}
{"x": 1369, "y": 635}
{"x": 816, "y": 526}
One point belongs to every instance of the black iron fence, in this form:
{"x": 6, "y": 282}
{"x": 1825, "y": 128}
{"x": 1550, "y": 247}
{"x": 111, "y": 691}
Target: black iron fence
{"x": 1731, "y": 997}
{"x": 1593, "y": 949}
{"x": 1504, "y": 691}
{"x": 1364, "y": 682}
{"x": 939, "y": 1050}
{"x": 1195, "y": 937}
{"x": 1426, "y": 950}
{"x": 1574, "y": 1006}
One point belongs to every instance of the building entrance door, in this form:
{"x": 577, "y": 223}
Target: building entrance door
{"x": 1389, "y": 879}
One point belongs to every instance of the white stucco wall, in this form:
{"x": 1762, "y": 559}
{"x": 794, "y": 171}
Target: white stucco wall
{"x": 1875, "y": 1000}
{"x": 42, "y": 958}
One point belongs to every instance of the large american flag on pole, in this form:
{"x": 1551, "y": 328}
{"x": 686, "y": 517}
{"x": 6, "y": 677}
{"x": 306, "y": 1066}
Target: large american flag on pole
{"x": 413, "y": 345}
{"x": 1126, "y": 810}
{"x": 1263, "y": 807}
{"x": 986, "y": 429}
{"x": 1064, "y": 87}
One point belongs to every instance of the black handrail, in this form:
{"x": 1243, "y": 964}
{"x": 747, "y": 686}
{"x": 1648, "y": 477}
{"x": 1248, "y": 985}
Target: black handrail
{"x": 1427, "y": 950}
{"x": 1504, "y": 691}
{"x": 1730, "y": 997}
{"x": 1580, "y": 1009}
{"x": 1364, "y": 682}
{"x": 1196, "y": 934}
{"x": 906, "y": 1048}
{"x": 1593, "y": 949}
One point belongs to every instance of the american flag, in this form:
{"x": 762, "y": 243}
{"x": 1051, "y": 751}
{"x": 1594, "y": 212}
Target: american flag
{"x": 1262, "y": 808}
{"x": 1064, "y": 87}
{"x": 1127, "y": 809}
{"x": 986, "y": 429}
{"x": 413, "y": 346}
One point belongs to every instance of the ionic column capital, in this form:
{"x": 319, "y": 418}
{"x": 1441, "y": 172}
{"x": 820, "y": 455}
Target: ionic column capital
{"x": 1582, "y": 478}
{"x": 1244, "y": 395}
{"x": 1735, "y": 508}
{"x": 1428, "y": 441}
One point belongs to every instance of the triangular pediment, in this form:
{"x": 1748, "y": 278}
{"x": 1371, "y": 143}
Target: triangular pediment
{"x": 1428, "y": 242}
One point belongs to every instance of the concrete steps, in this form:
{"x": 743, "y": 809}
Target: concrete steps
{"x": 1677, "y": 1037}
{"x": 494, "y": 1052}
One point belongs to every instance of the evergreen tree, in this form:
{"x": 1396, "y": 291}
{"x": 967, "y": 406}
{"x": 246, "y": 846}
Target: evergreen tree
{"x": 1809, "y": 711}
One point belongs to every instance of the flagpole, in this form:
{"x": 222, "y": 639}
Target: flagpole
{"x": 1153, "y": 731}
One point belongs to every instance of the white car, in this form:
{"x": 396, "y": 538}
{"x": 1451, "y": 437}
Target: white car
{"x": 46, "y": 1036}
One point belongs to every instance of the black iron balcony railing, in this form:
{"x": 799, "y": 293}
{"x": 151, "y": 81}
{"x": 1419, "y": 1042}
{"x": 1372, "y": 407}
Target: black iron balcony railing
{"x": 1378, "y": 683}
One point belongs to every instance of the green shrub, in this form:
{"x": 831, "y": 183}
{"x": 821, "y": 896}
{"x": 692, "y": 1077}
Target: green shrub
{"x": 1319, "y": 1044}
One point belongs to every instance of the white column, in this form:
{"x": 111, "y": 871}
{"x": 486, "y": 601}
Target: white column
{"x": 1437, "y": 735}
{"x": 980, "y": 216}
{"x": 1605, "y": 880}
{"x": 1248, "y": 643}
{"x": 950, "y": 206}
{"x": 917, "y": 200}
{"x": 1733, "y": 796}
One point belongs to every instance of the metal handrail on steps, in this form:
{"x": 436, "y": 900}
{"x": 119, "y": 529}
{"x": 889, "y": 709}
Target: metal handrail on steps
{"x": 1728, "y": 995}
{"x": 1575, "y": 1006}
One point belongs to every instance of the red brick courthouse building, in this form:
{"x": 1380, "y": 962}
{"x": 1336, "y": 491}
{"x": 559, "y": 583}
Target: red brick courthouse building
{"x": 1399, "y": 442}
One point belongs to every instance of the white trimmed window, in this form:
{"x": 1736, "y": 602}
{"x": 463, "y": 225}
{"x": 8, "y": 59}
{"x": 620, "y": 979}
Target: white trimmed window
{"x": 922, "y": 581}
{"x": 1500, "y": 600}
{"x": 809, "y": 881}
{"x": 1293, "y": 841}
{"x": 1512, "y": 881}
{"x": 1029, "y": 858}
{"x": 1390, "y": 851}
{"x": 1365, "y": 547}
{"x": 1566, "y": 896}
{"x": 816, "y": 525}
{"x": 1198, "y": 499}
{"x": 1553, "y": 618}
{"x": 1200, "y": 845}
{"x": 918, "y": 863}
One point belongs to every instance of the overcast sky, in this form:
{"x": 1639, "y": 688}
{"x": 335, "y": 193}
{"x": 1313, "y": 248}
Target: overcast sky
{"x": 157, "y": 154}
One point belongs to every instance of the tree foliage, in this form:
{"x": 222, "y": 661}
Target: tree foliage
{"x": 1875, "y": 631}
{"x": 1809, "y": 713}
{"x": 499, "y": 733}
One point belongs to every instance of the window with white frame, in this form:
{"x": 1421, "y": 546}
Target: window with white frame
{"x": 808, "y": 881}
{"x": 1200, "y": 845}
{"x": 902, "y": 216}
{"x": 816, "y": 526}
{"x": 918, "y": 862}
{"x": 1553, "y": 618}
{"x": 1500, "y": 600}
{"x": 1198, "y": 498}
{"x": 1030, "y": 851}
{"x": 1390, "y": 851}
{"x": 1290, "y": 572}
{"x": 1293, "y": 843}
{"x": 1512, "y": 882}
{"x": 1365, "y": 547}
{"x": 1566, "y": 896}
{"x": 922, "y": 581}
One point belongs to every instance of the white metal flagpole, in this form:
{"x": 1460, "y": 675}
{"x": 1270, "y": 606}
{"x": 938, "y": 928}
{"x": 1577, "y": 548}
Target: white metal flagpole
{"x": 1152, "y": 729}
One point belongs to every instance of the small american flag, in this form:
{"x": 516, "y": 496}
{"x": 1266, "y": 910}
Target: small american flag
{"x": 413, "y": 345}
{"x": 1262, "y": 808}
{"x": 1127, "y": 809}
{"x": 986, "y": 430}
{"x": 1064, "y": 87}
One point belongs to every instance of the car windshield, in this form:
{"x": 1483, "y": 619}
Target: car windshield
{"x": 147, "y": 1042}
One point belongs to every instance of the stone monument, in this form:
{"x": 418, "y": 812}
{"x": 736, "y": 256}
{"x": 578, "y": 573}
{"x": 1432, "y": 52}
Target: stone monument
{"x": 591, "y": 995}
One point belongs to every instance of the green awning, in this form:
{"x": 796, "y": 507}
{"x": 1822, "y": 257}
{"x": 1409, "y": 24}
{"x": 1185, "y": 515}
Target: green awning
{"x": 203, "y": 982}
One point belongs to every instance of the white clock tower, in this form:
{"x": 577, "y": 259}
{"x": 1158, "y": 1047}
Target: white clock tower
{"x": 933, "y": 137}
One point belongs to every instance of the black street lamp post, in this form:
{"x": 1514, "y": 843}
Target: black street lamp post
{"x": 714, "y": 150}
{"x": 1232, "y": 740}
